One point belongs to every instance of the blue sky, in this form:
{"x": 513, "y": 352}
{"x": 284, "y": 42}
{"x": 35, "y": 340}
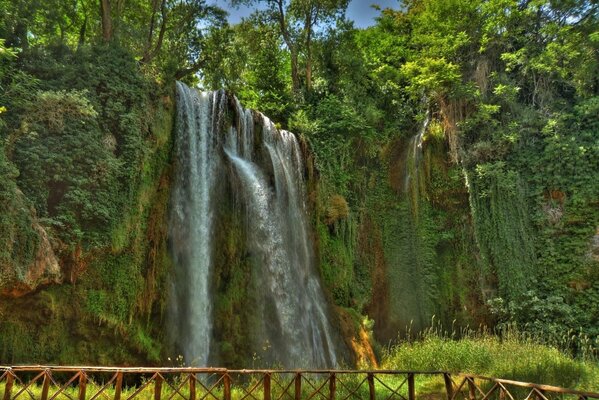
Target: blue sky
{"x": 360, "y": 11}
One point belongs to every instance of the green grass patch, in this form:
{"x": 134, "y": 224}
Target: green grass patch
{"x": 512, "y": 355}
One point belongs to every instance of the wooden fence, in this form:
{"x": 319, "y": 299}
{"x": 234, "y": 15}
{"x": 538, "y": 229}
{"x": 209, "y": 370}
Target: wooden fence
{"x": 81, "y": 383}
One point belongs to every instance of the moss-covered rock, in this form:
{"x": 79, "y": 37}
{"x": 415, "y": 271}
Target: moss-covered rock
{"x": 109, "y": 308}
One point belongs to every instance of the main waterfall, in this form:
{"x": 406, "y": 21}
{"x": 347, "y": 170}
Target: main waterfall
{"x": 238, "y": 176}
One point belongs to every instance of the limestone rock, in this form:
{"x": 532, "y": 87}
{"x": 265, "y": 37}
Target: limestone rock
{"x": 28, "y": 260}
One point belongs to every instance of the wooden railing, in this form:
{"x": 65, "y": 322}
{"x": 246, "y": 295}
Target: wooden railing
{"x": 81, "y": 383}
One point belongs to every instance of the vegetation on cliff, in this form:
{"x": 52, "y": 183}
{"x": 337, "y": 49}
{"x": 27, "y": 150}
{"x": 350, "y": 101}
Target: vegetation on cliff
{"x": 490, "y": 217}
{"x": 87, "y": 138}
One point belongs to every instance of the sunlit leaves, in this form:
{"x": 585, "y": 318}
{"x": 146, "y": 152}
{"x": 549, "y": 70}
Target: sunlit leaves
{"x": 429, "y": 75}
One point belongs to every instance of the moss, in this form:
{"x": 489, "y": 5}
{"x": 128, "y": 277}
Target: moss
{"x": 232, "y": 289}
{"x": 108, "y": 314}
{"x": 402, "y": 253}
{"x": 337, "y": 209}
{"x": 19, "y": 241}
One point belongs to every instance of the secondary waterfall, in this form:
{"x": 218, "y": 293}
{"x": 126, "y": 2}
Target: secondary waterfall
{"x": 414, "y": 156}
{"x": 234, "y": 162}
{"x": 411, "y": 255}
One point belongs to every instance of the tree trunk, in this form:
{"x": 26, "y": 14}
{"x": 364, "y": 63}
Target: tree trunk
{"x": 150, "y": 52}
{"x": 82, "y": 32}
{"x": 308, "y": 29}
{"x": 106, "y": 20}
{"x": 295, "y": 81}
{"x": 151, "y": 31}
{"x": 19, "y": 38}
{"x": 308, "y": 75}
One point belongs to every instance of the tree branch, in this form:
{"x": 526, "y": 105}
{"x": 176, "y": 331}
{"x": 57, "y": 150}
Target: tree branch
{"x": 195, "y": 67}
{"x": 151, "y": 54}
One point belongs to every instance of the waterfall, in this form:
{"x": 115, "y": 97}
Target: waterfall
{"x": 414, "y": 156}
{"x": 191, "y": 224}
{"x": 259, "y": 169}
{"x": 411, "y": 254}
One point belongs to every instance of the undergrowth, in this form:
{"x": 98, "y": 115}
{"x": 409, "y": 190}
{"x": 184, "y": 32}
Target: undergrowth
{"x": 507, "y": 354}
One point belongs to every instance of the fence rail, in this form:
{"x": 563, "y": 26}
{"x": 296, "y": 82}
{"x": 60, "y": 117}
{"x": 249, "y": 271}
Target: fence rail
{"x": 91, "y": 383}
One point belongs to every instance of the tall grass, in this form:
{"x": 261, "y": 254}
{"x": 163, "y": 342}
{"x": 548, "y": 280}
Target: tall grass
{"x": 512, "y": 354}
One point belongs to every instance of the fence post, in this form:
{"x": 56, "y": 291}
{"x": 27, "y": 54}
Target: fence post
{"x": 298, "y": 386}
{"x": 371, "y": 386}
{"x": 10, "y": 378}
{"x": 157, "y": 386}
{"x": 82, "y": 385}
{"x": 471, "y": 389}
{"x": 267, "y": 386}
{"x": 502, "y": 393}
{"x": 448, "y": 385}
{"x": 192, "y": 387}
{"x": 332, "y": 386}
{"x": 411, "y": 387}
{"x": 46, "y": 385}
{"x": 118, "y": 386}
{"x": 227, "y": 386}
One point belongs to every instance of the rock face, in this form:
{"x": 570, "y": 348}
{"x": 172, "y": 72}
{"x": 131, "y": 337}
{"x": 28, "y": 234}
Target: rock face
{"x": 21, "y": 274}
{"x": 45, "y": 269}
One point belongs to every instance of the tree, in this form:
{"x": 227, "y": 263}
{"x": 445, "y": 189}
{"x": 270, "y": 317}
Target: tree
{"x": 297, "y": 21}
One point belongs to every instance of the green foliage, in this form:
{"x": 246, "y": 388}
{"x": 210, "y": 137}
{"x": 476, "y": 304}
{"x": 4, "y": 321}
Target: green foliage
{"x": 248, "y": 60}
{"x": 18, "y": 239}
{"x": 502, "y": 227}
{"x": 500, "y": 232}
{"x": 514, "y": 355}
{"x": 337, "y": 262}
{"x": 65, "y": 166}
{"x": 79, "y": 150}
{"x": 165, "y": 36}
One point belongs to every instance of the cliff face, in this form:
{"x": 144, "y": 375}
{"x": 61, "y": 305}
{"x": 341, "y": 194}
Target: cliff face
{"x": 403, "y": 238}
{"x": 421, "y": 239}
{"x": 29, "y": 261}
{"x": 84, "y": 266}
{"x": 402, "y": 255}
{"x": 100, "y": 305}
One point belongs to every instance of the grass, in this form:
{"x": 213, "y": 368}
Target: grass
{"x": 282, "y": 387}
{"x": 512, "y": 355}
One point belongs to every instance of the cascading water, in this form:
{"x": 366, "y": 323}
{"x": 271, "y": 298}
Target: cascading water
{"x": 190, "y": 224}
{"x": 414, "y": 156}
{"x": 262, "y": 170}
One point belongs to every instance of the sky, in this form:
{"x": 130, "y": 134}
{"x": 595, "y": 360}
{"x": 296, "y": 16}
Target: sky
{"x": 360, "y": 11}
